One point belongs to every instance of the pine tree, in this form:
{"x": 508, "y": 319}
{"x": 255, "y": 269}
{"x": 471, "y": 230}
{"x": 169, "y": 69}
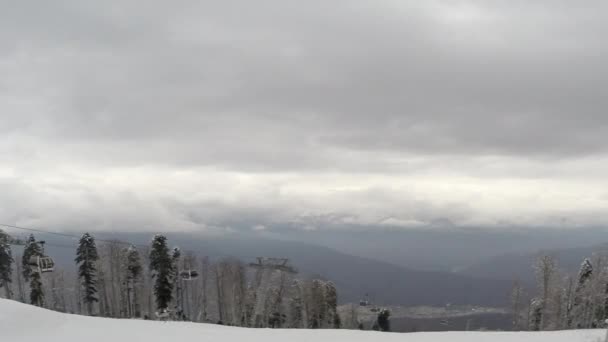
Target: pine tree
{"x": 162, "y": 270}
{"x": 6, "y": 263}
{"x": 331, "y": 298}
{"x": 584, "y": 275}
{"x": 31, "y": 251}
{"x": 516, "y": 296}
{"x": 296, "y": 306}
{"x": 176, "y": 255}
{"x": 86, "y": 257}
{"x": 36, "y": 292}
{"x": 384, "y": 324}
{"x": 318, "y": 305}
{"x": 581, "y": 296}
{"x": 536, "y": 314}
{"x": 546, "y": 269}
{"x": 134, "y": 271}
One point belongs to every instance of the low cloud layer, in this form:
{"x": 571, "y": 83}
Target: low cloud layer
{"x": 221, "y": 116}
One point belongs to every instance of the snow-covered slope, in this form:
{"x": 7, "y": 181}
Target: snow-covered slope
{"x": 24, "y": 323}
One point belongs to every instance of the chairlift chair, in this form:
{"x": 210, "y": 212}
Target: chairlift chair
{"x": 42, "y": 264}
{"x": 188, "y": 275}
{"x": 46, "y": 264}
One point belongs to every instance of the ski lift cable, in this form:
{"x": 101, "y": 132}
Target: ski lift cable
{"x": 76, "y": 237}
{"x": 45, "y": 243}
{"x": 66, "y": 235}
{"x": 47, "y": 264}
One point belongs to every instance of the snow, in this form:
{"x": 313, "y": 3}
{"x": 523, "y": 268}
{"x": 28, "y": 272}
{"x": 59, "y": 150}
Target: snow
{"x": 25, "y": 323}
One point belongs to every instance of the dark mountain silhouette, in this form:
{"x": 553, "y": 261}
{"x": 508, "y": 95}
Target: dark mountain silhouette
{"x": 354, "y": 276}
{"x": 521, "y": 266}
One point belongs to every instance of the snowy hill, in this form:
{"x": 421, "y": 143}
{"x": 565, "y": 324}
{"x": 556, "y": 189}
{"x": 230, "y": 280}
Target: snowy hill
{"x": 25, "y": 323}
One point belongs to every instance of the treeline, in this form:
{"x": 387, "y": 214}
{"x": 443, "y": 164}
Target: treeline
{"x": 563, "y": 301}
{"x": 113, "y": 279}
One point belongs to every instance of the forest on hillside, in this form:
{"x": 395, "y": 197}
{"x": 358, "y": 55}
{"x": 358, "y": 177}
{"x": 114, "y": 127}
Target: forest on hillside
{"x": 112, "y": 278}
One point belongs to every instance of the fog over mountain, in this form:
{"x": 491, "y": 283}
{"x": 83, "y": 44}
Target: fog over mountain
{"x": 451, "y": 250}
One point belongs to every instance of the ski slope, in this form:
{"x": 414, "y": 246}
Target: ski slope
{"x": 25, "y": 323}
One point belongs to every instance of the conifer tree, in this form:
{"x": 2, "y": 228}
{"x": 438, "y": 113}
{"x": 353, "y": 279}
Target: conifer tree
{"x": 6, "y": 263}
{"x": 36, "y": 292}
{"x": 134, "y": 270}
{"x": 384, "y": 324}
{"x": 318, "y": 307}
{"x": 296, "y": 306}
{"x": 581, "y": 297}
{"x": 546, "y": 269}
{"x": 162, "y": 270}
{"x": 175, "y": 257}
{"x": 31, "y": 273}
{"x": 331, "y": 298}
{"x": 86, "y": 257}
{"x": 584, "y": 274}
{"x": 176, "y": 254}
{"x": 536, "y": 314}
{"x": 31, "y": 249}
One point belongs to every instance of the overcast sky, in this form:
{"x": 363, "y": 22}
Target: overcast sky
{"x": 226, "y": 115}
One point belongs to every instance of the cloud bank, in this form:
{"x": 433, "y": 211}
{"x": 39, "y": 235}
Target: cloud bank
{"x": 219, "y": 116}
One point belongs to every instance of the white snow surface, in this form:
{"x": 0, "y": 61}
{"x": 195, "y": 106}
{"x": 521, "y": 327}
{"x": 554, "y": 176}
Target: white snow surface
{"x": 24, "y": 323}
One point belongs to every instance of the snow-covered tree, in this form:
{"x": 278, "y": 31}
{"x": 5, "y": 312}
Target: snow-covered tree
{"x": 276, "y": 317}
{"x": 568, "y": 295}
{"x": 331, "y": 299}
{"x": 19, "y": 280}
{"x": 191, "y": 289}
{"x": 384, "y": 323}
{"x": 31, "y": 251}
{"x": 134, "y": 271}
{"x": 546, "y": 269}
{"x": 296, "y": 306}
{"x": 516, "y": 304}
{"x": 36, "y": 291}
{"x": 176, "y": 255}
{"x": 6, "y": 263}
{"x": 317, "y": 305}
{"x": 203, "y": 291}
{"x": 86, "y": 257}
{"x": 351, "y": 317}
{"x": 536, "y": 314}
{"x": 581, "y": 303}
{"x": 584, "y": 275}
{"x": 162, "y": 270}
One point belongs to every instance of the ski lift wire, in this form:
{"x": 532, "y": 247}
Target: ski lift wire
{"x": 76, "y": 238}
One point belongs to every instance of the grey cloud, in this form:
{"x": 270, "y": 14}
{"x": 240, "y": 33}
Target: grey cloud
{"x": 521, "y": 80}
{"x": 447, "y": 89}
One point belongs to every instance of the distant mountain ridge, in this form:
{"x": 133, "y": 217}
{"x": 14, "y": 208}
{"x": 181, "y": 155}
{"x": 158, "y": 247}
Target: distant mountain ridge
{"x": 520, "y": 266}
{"x": 354, "y": 276}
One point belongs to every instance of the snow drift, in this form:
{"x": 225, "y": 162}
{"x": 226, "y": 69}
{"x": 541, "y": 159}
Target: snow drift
{"x": 25, "y": 323}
